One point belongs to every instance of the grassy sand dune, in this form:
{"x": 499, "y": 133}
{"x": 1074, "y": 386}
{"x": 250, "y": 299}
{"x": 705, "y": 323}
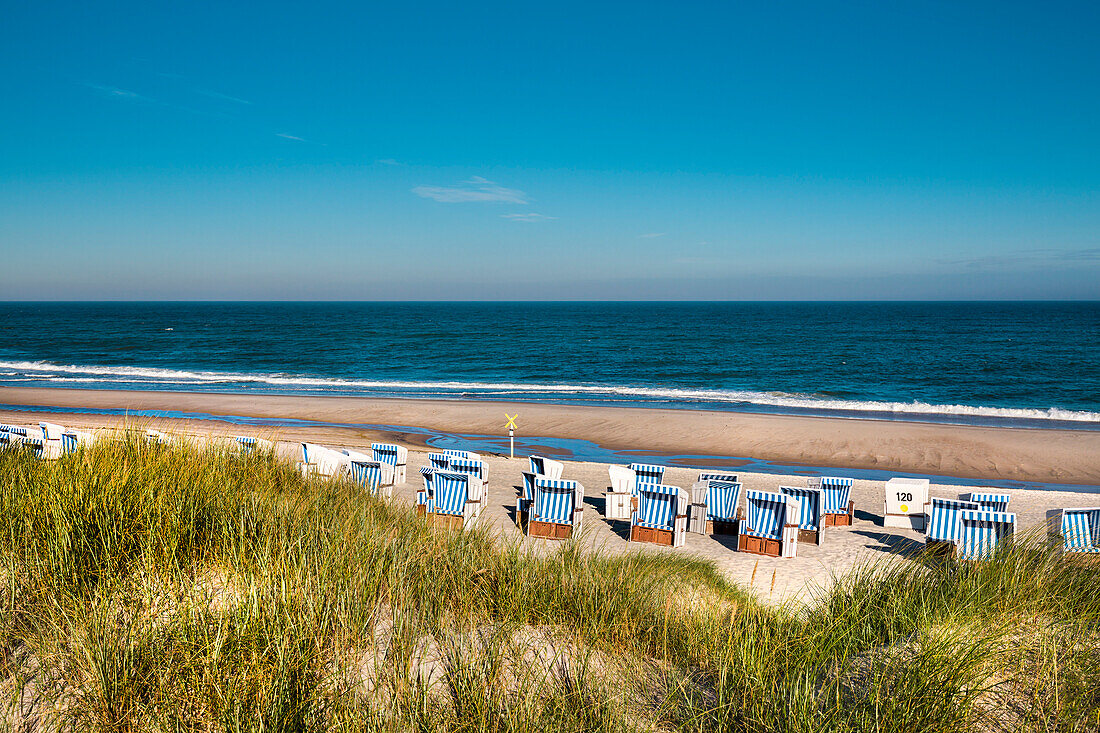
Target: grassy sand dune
{"x": 175, "y": 588}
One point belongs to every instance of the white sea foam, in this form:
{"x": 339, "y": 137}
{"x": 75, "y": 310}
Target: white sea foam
{"x": 60, "y": 373}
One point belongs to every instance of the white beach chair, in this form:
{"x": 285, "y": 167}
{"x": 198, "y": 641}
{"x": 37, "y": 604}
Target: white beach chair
{"x": 318, "y": 460}
{"x": 619, "y": 500}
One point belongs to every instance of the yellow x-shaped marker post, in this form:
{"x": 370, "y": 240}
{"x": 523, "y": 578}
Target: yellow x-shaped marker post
{"x": 511, "y": 420}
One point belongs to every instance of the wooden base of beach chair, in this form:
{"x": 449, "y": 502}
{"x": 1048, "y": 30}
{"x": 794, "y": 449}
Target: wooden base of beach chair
{"x": 842, "y": 520}
{"x": 940, "y": 548}
{"x": 549, "y": 530}
{"x": 421, "y": 510}
{"x": 1082, "y": 558}
{"x": 759, "y": 545}
{"x": 447, "y": 521}
{"x": 521, "y": 519}
{"x": 649, "y": 534}
{"x": 810, "y": 536}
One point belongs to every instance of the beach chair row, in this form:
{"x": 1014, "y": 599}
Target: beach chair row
{"x": 45, "y": 440}
{"x": 377, "y": 472}
{"x": 772, "y": 523}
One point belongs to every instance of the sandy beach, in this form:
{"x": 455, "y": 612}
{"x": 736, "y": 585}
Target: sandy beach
{"x": 1047, "y": 456}
{"x": 978, "y": 452}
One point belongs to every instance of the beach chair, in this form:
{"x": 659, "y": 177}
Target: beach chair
{"x": 619, "y": 499}
{"x": 51, "y": 440}
{"x": 1081, "y": 533}
{"x": 477, "y": 468}
{"x": 647, "y": 473}
{"x": 465, "y": 454}
{"x": 717, "y": 476}
{"x": 74, "y": 440}
{"x": 395, "y": 455}
{"x": 661, "y": 516}
{"x": 250, "y": 444}
{"x": 455, "y": 500}
{"x": 771, "y": 524}
{"x": 555, "y": 509}
{"x": 376, "y": 476}
{"x": 944, "y": 523}
{"x": 990, "y": 502}
{"x": 540, "y": 468}
{"x": 318, "y": 460}
{"x": 982, "y": 532}
{"x": 441, "y": 461}
{"x": 546, "y": 467}
{"x": 811, "y": 517}
{"x": 839, "y": 510}
{"x": 424, "y": 496}
{"x": 715, "y": 507}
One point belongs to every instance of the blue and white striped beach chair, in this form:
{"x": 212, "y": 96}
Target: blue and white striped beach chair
{"x": 839, "y": 507}
{"x": 555, "y": 509}
{"x": 74, "y": 440}
{"x": 424, "y": 496}
{"x": 540, "y": 468}
{"x": 811, "y": 517}
{"x": 477, "y": 468}
{"x": 647, "y": 473}
{"x": 991, "y": 502}
{"x": 440, "y": 461}
{"x": 983, "y": 532}
{"x": 465, "y": 454}
{"x": 717, "y": 476}
{"x": 454, "y": 500}
{"x": 945, "y": 523}
{"x": 715, "y": 506}
{"x": 1081, "y": 532}
{"x": 661, "y": 516}
{"x": 375, "y": 476}
{"x": 247, "y": 443}
{"x": 771, "y": 524}
{"x": 395, "y": 455}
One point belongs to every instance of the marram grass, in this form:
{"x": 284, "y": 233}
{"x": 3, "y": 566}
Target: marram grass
{"x": 172, "y": 588}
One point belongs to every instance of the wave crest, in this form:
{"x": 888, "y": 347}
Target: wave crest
{"x": 121, "y": 375}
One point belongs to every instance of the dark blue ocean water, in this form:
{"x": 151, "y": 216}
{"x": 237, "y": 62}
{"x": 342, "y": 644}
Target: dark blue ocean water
{"x": 1035, "y": 364}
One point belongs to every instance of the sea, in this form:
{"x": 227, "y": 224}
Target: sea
{"x": 1022, "y": 364}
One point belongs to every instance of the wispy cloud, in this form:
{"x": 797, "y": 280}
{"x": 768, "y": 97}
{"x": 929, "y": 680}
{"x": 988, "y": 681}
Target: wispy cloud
{"x": 476, "y": 189}
{"x": 1028, "y": 257}
{"x": 295, "y": 138}
{"x": 117, "y": 93}
{"x": 529, "y": 217}
{"x": 652, "y": 235}
{"x": 127, "y": 95}
{"x": 388, "y": 161}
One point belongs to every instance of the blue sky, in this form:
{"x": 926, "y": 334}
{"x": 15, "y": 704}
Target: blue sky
{"x": 570, "y": 150}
